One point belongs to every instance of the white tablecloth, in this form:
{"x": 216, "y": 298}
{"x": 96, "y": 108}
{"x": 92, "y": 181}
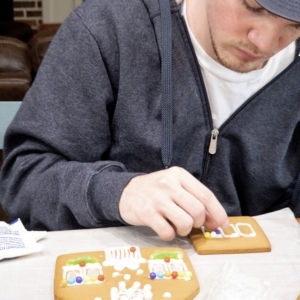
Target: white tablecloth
{"x": 273, "y": 276}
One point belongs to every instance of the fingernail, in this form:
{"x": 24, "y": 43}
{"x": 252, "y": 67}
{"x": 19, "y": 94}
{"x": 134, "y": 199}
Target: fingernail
{"x": 225, "y": 224}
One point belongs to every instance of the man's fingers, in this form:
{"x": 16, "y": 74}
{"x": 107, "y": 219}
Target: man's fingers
{"x": 207, "y": 198}
{"x": 162, "y": 227}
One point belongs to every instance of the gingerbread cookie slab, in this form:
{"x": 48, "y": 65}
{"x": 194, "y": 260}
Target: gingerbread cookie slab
{"x": 243, "y": 236}
{"x": 128, "y": 272}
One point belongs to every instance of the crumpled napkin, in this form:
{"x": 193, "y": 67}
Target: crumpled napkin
{"x": 16, "y": 241}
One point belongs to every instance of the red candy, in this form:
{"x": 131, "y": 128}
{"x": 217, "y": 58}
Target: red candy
{"x": 82, "y": 264}
{"x": 167, "y": 259}
{"x": 100, "y": 277}
{"x": 132, "y": 249}
{"x": 174, "y": 274}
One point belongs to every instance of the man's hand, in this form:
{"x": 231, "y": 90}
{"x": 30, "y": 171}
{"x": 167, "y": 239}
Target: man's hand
{"x": 171, "y": 201}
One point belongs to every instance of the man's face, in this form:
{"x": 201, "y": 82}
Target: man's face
{"x": 239, "y": 34}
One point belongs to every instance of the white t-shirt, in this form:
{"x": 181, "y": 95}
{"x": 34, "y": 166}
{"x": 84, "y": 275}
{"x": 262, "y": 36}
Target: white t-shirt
{"x": 227, "y": 89}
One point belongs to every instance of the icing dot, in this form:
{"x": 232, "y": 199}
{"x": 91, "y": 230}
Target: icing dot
{"x": 167, "y": 295}
{"x": 160, "y": 274}
{"x": 132, "y": 249}
{"x": 167, "y": 259}
{"x": 147, "y": 287}
{"x": 114, "y": 291}
{"x": 122, "y": 285}
{"x": 78, "y": 279}
{"x": 127, "y": 276}
{"x": 152, "y": 275}
{"x": 167, "y": 273}
{"x": 174, "y": 274}
{"x": 82, "y": 264}
{"x": 100, "y": 277}
{"x": 139, "y": 272}
{"x": 115, "y": 274}
{"x": 207, "y": 235}
{"x": 64, "y": 282}
{"x": 71, "y": 280}
{"x": 97, "y": 298}
{"x": 136, "y": 285}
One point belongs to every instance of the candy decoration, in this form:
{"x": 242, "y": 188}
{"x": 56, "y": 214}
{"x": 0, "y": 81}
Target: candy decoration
{"x": 189, "y": 274}
{"x": 86, "y": 279}
{"x": 160, "y": 274}
{"x": 78, "y": 279}
{"x": 167, "y": 274}
{"x": 152, "y": 275}
{"x": 101, "y": 277}
{"x": 93, "y": 278}
{"x": 181, "y": 274}
{"x": 82, "y": 264}
{"x": 71, "y": 280}
{"x": 64, "y": 282}
{"x": 207, "y": 235}
{"x": 174, "y": 274}
{"x": 132, "y": 249}
{"x": 167, "y": 259}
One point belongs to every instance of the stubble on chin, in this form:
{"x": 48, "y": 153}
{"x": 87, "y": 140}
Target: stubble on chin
{"x": 237, "y": 64}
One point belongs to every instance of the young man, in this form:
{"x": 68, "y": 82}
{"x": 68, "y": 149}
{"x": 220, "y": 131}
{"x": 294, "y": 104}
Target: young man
{"x": 157, "y": 113}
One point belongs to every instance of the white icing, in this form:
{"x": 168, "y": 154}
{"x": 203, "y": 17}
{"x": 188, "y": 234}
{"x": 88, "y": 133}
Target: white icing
{"x": 232, "y": 235}
{"x": 252, "y": 234}
{"x": 159, "y": 265}
{"x": 115, "y": 274}
{"x": 167, "y": 295}
{"x": 236, "y": 231}
{"x": 127, "y": 276}
{"x": 132, "y": 293}
{"x": 122, "y": 257}
{"x": 97, "y": 298}
{"x": 139, "y": 272}
{"x": 89, "y": 270}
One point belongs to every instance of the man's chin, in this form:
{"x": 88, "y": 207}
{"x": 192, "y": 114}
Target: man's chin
{"x": 241, "y": 66}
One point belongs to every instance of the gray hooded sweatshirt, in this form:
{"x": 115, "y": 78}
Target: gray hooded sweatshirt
{"x": 107, "y": 106}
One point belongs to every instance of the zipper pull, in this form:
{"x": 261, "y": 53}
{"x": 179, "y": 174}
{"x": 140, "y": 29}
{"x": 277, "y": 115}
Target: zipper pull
{"x": 213, "y": 141}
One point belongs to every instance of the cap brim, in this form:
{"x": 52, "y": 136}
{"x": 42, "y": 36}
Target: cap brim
{"x": 283, "y": 8}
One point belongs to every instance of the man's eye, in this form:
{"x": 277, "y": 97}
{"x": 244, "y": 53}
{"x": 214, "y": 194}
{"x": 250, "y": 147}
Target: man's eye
{"x": 250, "y": 8}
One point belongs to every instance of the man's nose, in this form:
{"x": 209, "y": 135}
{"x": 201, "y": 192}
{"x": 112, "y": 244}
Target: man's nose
{"x": 267, "y": 38}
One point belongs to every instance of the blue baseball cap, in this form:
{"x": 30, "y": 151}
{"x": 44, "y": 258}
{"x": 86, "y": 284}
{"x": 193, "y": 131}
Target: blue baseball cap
{"x": 288, "y": 9}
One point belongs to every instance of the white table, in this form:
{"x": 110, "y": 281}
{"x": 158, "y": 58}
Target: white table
{"x": 31, "y": 277}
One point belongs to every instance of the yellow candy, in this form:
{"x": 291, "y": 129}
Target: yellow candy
{"x": 181, "y": 274}
{"x": 93, "y": 278}
{"x": 64, "y": 282}
{"x": 207, "y": 234}
{"x": 189, "y": 274}
{"x": 167, "y": 274}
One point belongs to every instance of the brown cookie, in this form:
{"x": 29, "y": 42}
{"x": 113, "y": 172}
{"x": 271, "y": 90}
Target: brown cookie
{"x": 103, "y": 274}
{"x": 250, "y": 238}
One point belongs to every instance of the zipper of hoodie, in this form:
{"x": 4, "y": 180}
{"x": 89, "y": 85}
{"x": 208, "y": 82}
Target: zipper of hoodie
{"x": 212, "y": 135}
{"x": 212, "y": 147}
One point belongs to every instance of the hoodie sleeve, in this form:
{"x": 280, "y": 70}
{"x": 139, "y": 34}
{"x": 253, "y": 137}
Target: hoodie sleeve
{"x": 55, "y": 175}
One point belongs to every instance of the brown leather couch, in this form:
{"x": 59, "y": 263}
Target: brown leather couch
{"x": 19, "y": 62}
